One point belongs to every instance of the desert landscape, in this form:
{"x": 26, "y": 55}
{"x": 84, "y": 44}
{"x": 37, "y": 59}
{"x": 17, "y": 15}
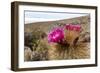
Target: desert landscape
{"x": 75, "y": 46}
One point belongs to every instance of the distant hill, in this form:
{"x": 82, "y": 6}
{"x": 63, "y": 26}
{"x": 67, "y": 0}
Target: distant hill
{"x": 46, "y": 26}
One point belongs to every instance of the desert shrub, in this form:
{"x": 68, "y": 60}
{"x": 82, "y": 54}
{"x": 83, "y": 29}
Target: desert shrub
{"x": 28, "y": 40}
{"x": 35, "y": 40}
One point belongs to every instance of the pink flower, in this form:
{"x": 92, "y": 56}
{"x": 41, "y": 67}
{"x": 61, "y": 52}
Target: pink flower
{"x": 73, "y": 27}
{"x": 56, "y": 35}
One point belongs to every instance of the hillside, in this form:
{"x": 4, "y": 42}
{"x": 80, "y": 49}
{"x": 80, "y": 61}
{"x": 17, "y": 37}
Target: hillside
{"x": 46, "y": 26}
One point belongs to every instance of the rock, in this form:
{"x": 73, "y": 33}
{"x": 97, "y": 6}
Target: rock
{"x": 27, "y": 53}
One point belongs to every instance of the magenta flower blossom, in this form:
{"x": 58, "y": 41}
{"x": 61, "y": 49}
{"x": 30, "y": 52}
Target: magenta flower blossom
{"x": 56, "y": 35}
{"x": 73, "y": 27}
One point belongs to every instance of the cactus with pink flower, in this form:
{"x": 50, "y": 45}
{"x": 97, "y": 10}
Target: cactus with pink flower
{"x": 64, "y": 35}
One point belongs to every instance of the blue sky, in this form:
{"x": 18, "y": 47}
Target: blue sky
{"x": 35, "y": 16}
